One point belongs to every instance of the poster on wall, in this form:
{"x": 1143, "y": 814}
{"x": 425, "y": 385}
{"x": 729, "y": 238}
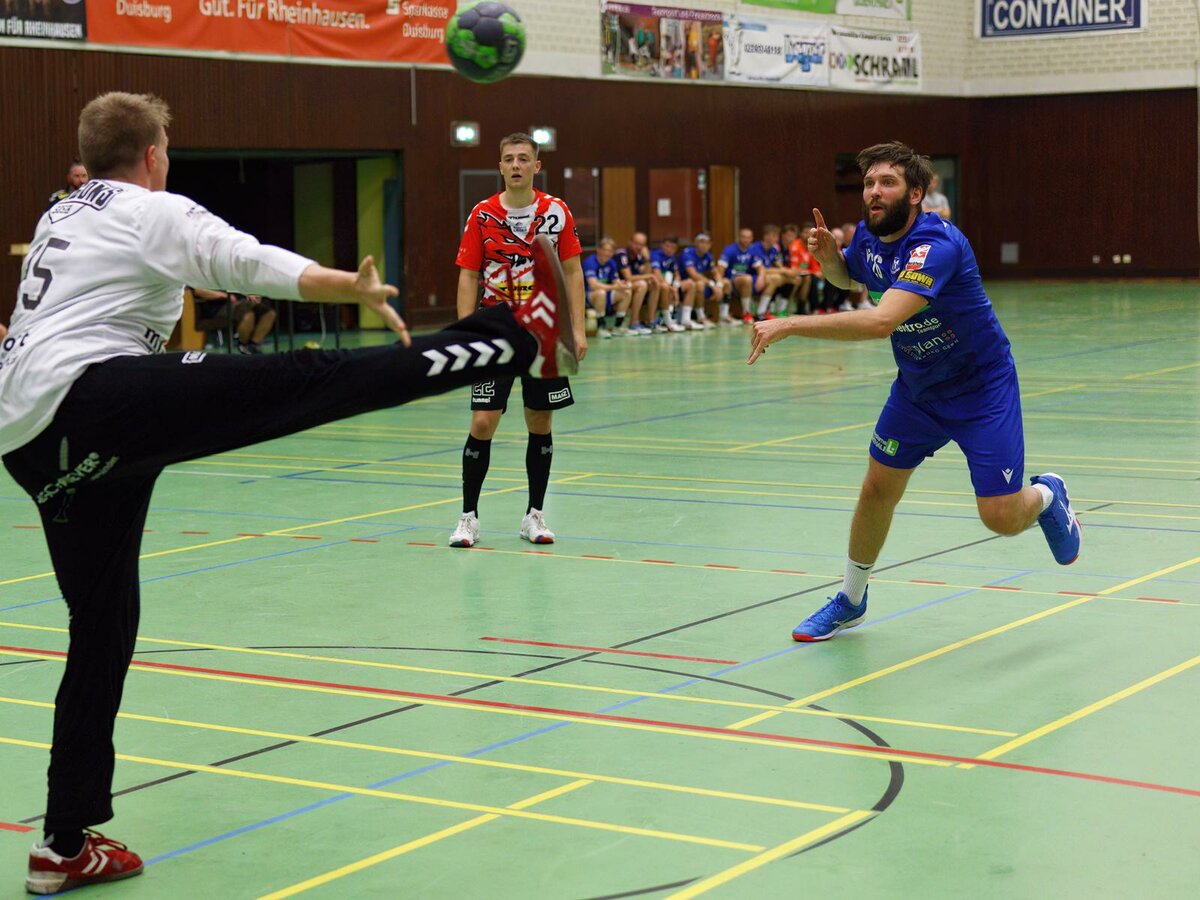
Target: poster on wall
{"x": 874, "y": 60}
{"x": 884, "y": 9}
{"x": 53, "y": 20}
{"x": 379, "y": 31}
{"x": 890, "y": 9}
{"x": 643, "y": 41}
{"x": 1059, "y": 18}
{"x": 772, "y": 52}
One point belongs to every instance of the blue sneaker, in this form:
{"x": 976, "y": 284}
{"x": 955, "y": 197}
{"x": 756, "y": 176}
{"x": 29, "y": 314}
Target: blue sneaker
{"x": 831, "y": 618}
{"x": 1058, "y": 521}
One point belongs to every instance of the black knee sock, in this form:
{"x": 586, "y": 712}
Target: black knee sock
{"x": 476, "y": 456}
{"x": 67, "y": 843}
{"x": 539, "y": 453}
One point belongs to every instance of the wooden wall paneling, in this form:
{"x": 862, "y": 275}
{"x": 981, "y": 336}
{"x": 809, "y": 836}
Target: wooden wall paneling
{"x": 618, "y": 203}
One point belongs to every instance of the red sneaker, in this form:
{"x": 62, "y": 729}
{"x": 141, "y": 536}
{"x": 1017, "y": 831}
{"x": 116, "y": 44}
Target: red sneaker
{"x": 102, "y": 859}
{"x": 547, "y": 314}
{"x": 748, "y": 319}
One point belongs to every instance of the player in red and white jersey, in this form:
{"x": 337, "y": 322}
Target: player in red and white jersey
{"x": 495, "y": 267}
{"x": 92, "y": 411}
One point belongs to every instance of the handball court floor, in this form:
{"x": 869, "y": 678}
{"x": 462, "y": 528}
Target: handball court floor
{"x": 327, "y": 700}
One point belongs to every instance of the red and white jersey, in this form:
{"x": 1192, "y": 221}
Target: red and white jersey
{"x": 495, "y": 243}
{"x": 104, "y": 278}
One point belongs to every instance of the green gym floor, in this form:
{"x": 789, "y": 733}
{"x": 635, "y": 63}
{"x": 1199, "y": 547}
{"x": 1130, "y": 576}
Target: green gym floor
{"x": 327, "y": 700}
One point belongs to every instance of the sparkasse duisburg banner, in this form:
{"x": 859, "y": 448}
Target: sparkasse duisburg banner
{"x": 1059, "y": 18}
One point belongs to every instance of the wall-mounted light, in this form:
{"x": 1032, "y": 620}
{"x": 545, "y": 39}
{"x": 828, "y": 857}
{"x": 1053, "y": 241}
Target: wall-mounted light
{"x": 464, "y": 134}
{"x": 546, "y": 137}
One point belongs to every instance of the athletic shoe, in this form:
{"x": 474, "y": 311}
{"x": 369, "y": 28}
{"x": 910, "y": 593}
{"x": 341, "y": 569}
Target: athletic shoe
{"x": 707, "y": 324}
{"x": 845, "y": 306}
{"x": 693, "y": 325}
{"x": 102, "y": 859}
{"x": 730, "y": 320}
{"x": 604, "y": 333}
{"x": 831, "y": 618}
{"x": 672, "y": 325}
{"x": 623, "y": 331}
{"x": 1058, "y": 521}
{"x": 466, "y": 533}
{"x": 640, "y": 330}
{"x": 547, "y": 314}
{"x": 534, "y": 530}
{"x": 748, "y": 319}
{"x": 660, "y": 328}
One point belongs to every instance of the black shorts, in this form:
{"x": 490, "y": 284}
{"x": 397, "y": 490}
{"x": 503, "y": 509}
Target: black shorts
{"x": 536, "y": 393}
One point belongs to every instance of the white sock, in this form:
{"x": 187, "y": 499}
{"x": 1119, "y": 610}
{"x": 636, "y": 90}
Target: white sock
{"x": 855, "y": 583}
{"x": 724, "y": 310}
{"x": 686, "y": 316}
{"x": 764, "y": 303}
{"x": 1047, "y": 495}
{"x": 745, "y": 306}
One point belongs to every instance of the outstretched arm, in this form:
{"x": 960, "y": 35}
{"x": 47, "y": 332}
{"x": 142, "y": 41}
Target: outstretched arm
{"x": 319, "y": 284}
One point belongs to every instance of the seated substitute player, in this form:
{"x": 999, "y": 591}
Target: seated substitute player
{"x": 956, "y": 380}
{"x": 666, "y": 270}
{"x": 496, "y": 267}
{"x": 774, "y": 269}
{"x": 608, "y": 294}
{"x": 77, "y": 177}
{"x": 701, "y": 281}
{"x": 741, "y": 267}
{"x": 633, "y": 264}
{"x": 92, "y": 411}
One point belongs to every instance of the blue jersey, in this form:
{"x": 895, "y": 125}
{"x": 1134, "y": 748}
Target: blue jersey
{"x": 605, "y": 273}
{"x": 689, "y": 258}
{"x": 738, "y": 261}
{"x": 953, "y": 345}
{"x": 664, "y": 262}
{"x": 767, "y": 256}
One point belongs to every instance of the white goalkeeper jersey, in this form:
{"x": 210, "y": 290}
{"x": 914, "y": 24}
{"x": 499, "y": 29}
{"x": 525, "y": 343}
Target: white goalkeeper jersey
{"x": 104, "y": 278}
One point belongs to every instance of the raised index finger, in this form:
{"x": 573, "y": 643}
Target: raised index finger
{"x": 820, "y": 219}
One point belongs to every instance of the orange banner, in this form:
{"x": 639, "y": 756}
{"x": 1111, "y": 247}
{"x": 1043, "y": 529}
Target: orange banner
{"x": 397, "y": 31}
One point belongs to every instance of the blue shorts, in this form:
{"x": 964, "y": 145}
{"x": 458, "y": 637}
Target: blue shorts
{"x": 985, "y": 423}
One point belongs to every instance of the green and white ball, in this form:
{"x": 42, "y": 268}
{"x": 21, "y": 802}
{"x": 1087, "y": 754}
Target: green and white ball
{"x": 485, "y": 40}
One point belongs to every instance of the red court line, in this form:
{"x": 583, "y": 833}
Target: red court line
{"x": 789, "y": 572}
{"x": 1158, "y": 599}
{"x": 1078, "y": 594}
{"x": 593, "y": 556}
{"x": 193, "y": 532}
{"x": 421, "y": 544}
{"x": 305, "y": 537}
{"x": 999, "y": 587}
{"x": 719, "y": 566}
{"x": 538, "y": 552}
{"x": 923, "y": 581}
{"x": 29, "y": 527}
{"x": 249, "y": 534}
{"x": 661, "y": 562}
{"x": 730, "y": 662}
{"x": 657, "y": 723}
{"x": 363, "y": 541}
{"x": 11, "y": 826}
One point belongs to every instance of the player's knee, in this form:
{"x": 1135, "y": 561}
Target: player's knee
{"x": 484, "y": 424}
{"x": 1000, "y": 517}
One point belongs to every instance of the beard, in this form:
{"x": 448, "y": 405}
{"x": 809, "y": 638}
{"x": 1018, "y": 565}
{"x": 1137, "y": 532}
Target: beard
{"x": 894, "y": 218}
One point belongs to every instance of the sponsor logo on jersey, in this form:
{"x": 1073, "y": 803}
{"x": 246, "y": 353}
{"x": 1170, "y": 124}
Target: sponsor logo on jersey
{"x": 875, "y": 261}
{"x": 89, "y": 468}
{"x": 895, "y": 264}
{"x": 93, "y": 195}
{"x": 916, "y": 259}
{"x": 484, "y": 390}
{"x": 1007, "y": 473}
{"x": 559, "y": 396}
{"x": 192, "y": 357}
{"x": 931, "y": 323}
{"x": 925, "y": 281}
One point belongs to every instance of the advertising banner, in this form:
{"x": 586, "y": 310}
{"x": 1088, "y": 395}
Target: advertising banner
{"x": 365, "y": 30}
{"x": 874, "y": 60}
{"x": 884, "y": 9}
{"x": 1059, "y": 18}
{"x": 643, "y": 41}
{"x": 828, "y": 7}
{"x": 771, "y": 52}
{"x": 55, "y": 20}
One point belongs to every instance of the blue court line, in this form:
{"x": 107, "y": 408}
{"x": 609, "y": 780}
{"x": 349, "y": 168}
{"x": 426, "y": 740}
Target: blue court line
{"x": 224, "y": 565}
{"x": 379, "y": 785}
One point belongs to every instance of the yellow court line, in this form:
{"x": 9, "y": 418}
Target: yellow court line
{"x": 916, "y": 660}
{"x": 1158, "y": 574}
{"x": 465, "y": 760}
{"x": 537, "y": 682}
{"x": 420, "y": 842}
{"x": 419, "y": 800}
{"x": 282, "y": 531}
{"x": 1054, "y": 390}
{"x": 522, "y": 713}
{"x": 1086, "y": 711}
{"x": 800, "y": 437}
{"x": 1160, "y": 371}
{"x": 749, "y": 865}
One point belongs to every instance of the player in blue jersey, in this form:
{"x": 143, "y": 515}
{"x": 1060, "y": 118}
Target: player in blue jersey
{"x": 700, "y": 281}
{"x": 770, "y": 258}
{"x": 956, "y": 380}
{"x": 742, "y": 268}
{"x": 607, "y": 293}
{"x": 666, "y": 270}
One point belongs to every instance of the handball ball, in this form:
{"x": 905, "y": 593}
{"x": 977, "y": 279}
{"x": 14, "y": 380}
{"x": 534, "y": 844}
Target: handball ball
{"x": 485, "y": 40}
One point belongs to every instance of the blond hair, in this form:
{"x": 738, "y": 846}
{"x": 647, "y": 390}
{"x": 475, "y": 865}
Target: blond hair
{"x": 116, "y": 128}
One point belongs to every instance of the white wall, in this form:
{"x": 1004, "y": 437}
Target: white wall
{"x": 564, "y": 39}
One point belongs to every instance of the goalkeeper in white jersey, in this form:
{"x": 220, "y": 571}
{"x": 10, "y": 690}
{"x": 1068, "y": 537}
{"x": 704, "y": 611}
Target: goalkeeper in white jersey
{"x": 92, "y": 411}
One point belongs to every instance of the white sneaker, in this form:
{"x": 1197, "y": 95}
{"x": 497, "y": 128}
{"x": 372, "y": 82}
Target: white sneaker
{"x": 731, "y": 321}
{"x": 864, "y": 304}
{"x": 623, "y": 331}
{"x": 604, "y": 333}
{"x": 845, "y": 306}
{"x": 534, "y": 530}
{"x": 693, "y": 325}
{"x": 466, "y": 533}
{"x": 672, "y": 325}
{"x": 707, "y": 324}
{"x": 660, "y": 328}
